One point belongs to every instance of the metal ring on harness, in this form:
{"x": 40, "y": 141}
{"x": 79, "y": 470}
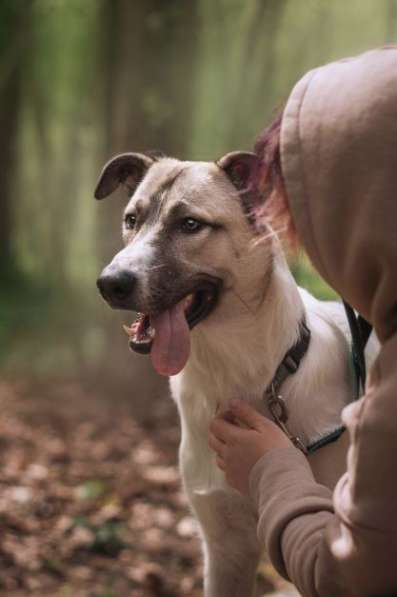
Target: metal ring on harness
{"x": 277, "y": 406}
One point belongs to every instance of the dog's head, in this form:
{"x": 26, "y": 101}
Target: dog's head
{"x": 187, "y": 244}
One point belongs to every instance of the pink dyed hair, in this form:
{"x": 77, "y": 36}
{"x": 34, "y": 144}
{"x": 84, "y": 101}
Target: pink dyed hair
{"x": 267, "y": 185}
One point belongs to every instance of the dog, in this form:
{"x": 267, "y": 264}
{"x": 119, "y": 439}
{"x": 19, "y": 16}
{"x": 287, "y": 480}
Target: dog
{"x": 218, "y": 311}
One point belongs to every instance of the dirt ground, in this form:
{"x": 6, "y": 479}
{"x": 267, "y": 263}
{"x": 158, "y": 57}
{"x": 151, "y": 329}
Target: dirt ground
{"x": 90, "y": 499}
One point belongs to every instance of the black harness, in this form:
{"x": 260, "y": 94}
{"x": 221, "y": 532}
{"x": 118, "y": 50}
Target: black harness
{"x": 360, "y": 331}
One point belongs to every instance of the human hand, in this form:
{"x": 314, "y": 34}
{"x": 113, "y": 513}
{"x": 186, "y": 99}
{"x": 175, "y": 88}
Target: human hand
{"x": 239, "y": 437}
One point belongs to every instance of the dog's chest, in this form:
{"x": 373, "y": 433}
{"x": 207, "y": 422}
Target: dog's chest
{"x": 197, "y": 461}
{"x": 198, "y": 402}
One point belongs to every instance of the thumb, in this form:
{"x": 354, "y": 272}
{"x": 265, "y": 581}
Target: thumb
{"x": 247, "y": 414}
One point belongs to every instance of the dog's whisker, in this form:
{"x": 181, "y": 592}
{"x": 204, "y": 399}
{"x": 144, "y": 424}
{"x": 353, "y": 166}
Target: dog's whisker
{"x": 264, "y": 238}
{"x": 153, "y": 267}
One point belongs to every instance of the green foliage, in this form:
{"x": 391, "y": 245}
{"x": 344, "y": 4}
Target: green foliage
{"x": 307, "y": 277}
{"x": 252, "y": 53}
{"x": 91, "y": 489}
{"x": 106, "y": 537}
{"x": 23, "y": 306}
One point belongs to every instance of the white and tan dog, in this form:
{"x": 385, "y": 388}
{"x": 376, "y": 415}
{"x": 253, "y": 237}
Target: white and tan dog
{"x": 219, "y": 309}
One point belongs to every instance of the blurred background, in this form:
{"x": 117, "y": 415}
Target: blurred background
{"x": 90, "y": 501}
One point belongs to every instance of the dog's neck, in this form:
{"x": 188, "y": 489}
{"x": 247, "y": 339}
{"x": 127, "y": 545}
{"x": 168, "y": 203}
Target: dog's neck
{"x": 238, "y": 355}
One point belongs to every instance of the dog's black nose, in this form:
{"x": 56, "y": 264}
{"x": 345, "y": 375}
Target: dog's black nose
{"x": 116, "y": 287}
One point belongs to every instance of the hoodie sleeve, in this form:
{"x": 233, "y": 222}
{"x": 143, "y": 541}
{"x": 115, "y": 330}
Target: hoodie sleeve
{"x": 293, "y": 511}
{"x": 345, "y": 544}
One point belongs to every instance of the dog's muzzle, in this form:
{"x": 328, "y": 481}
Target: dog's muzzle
{"x": 162, "y": 325}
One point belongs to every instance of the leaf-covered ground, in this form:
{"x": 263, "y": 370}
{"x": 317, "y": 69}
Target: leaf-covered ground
{"x": 90, "y": 499}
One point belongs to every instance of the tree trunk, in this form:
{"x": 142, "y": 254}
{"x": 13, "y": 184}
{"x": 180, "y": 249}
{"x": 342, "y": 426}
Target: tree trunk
{"x": 14, "y": 17}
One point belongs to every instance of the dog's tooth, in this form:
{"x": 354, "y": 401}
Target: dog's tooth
{"x": 151, "y": 332}
{"x": 188, "y": 301}
{"x": 144, "y": 340}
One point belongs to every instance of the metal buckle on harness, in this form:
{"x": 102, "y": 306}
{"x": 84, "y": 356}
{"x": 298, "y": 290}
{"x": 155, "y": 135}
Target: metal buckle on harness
{"x": 278, "y": 410}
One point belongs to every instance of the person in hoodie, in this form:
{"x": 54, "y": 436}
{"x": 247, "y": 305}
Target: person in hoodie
{"x": 331, "y": 162}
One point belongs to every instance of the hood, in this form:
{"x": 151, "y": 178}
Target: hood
{"x": 339, "y": 162}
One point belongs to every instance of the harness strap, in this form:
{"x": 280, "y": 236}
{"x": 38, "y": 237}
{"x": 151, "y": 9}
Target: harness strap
{"x": 365, "y": 328}
{"x": 291, "y": 361}
{"x": 360, "y": 332}
{"x": 288, "y": 366}
{"x": 332, "y": 436}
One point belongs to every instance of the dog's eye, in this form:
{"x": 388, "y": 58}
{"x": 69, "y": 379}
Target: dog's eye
{"x": 130, "y": 221}
{"x": 191, "y": 225}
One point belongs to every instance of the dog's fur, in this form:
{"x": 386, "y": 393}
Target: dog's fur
{"x": 237, "y": 348}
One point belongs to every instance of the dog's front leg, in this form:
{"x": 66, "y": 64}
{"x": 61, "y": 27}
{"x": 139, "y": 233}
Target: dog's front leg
{"x": 231, "y": 550}
{"x": 229, "y": 575}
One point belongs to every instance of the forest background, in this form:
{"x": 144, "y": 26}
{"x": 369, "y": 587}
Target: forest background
{"x": 81, "y": 80}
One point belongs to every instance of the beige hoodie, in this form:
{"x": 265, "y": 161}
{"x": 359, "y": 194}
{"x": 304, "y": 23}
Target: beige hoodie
{"x": 339, "y": 161}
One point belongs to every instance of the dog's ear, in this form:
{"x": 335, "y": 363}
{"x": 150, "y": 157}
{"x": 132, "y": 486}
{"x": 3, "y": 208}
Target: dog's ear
{"x": 238, "y": 166}
{"x": 127, "y": 169}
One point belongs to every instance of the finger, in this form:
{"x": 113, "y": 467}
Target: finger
{"x": 247, "y": 414}
{"x": 215, "y": 444}
{"x": 221, "y": 463}
{"x": 224, "y": 431}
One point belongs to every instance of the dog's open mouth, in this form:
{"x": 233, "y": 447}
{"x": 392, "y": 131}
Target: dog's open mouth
{"x": 166, "y": 335}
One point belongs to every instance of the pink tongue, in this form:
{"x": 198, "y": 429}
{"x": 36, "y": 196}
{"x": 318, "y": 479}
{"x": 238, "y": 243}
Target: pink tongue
{"x": 171, "y": 344}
